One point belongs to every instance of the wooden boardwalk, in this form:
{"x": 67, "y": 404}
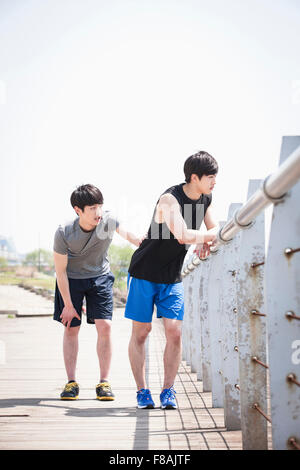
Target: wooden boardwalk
{"x": 32, "y": 375}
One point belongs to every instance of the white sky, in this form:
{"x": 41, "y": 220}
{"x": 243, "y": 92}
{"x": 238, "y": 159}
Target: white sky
{"x": 119, "y": 93}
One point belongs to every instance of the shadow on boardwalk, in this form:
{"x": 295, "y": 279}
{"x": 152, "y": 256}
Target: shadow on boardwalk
{"x": 141, "y": 417}
{"x": 76, "y": 412}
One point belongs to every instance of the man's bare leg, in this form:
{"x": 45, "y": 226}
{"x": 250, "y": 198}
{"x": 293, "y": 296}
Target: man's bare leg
{"x": 172, "y": 353}
{"x": 136, "y": 351}
{"x": 70, "y": 350}
{"x": 104, "y": 347}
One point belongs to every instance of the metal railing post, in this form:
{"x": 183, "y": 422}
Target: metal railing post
{"x": 232, "y": 412}
{"x": 215, "y": 309}
{"x": 192, "y": 313}
{"x": 283, "y": 312}
{"x": 252, "y": 331}
{"x": 186, "y": 320}
{"x": 196, "y": 327}
{"x": 204, "y": 325}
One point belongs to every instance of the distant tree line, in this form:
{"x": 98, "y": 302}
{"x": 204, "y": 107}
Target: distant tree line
{"x": 41, "y": 259}
{"x": 119, "y": 258}
{"x": 3, "y": 262}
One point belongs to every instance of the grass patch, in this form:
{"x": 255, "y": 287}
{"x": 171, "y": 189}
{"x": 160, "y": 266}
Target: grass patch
{"x": 120, "y": 284}
{"x": 11, "y": 279}
{"x": 46, "y": 282}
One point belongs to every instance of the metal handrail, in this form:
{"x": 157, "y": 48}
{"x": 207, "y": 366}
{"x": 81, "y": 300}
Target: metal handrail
{"x": 273, "y": 189}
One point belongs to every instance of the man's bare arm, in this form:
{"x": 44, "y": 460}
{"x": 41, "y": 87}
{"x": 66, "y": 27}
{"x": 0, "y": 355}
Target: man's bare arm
{"x": 69, "y": 312}
{"x": 60, "y": 262}
{"x": 203, "y": 249}
{"x": 210, "y": 221}
{"x": 128, "y": 235}
{"x": 170, "y": 209}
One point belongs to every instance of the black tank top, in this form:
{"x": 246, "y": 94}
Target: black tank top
{"x": 160, "y": 256}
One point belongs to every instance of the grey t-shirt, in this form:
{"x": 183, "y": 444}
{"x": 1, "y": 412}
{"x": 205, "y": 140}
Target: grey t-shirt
{"x": 87, "y": 251}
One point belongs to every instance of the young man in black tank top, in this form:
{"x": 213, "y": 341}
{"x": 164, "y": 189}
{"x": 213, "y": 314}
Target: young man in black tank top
{"x": 154, "y": 274}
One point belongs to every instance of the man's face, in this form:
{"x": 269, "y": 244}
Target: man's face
{"x": 206, "y": 184}
{"x": 91, "y": 215}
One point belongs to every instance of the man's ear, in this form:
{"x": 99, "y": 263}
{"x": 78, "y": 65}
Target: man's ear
{"x": 77, "y": 210}
{"x": 195, "y": 178}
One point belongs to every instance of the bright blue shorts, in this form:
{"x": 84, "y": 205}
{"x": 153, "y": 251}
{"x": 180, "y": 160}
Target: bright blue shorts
{"x": 142, "y": 295}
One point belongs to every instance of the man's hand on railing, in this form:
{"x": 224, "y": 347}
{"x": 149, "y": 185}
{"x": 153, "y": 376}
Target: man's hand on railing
{"x": 202, "y": 250}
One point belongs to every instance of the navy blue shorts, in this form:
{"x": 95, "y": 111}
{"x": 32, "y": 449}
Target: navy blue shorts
{"x": 98, "y": 294}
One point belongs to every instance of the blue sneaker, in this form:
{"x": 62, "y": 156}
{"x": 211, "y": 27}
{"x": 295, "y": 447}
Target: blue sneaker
{"x": 167, "y": 399}
{"x": 144, "y": 399}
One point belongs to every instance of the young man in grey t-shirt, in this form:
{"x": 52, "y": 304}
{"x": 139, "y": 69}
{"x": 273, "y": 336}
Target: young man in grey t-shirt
{"x": 82, "y": 270}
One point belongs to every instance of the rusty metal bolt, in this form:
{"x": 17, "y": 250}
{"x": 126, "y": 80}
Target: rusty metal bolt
{"x": 291, "y": 315}
{"x": 255, "y": 265}
{"x": 256, "y": 407}
{"x": 290, "y": 251}
{"x": 292, "y": 378}
{"x": 292, "y": 441}
{"x": 256, "y": 312}
{"x": 255, "y": 359}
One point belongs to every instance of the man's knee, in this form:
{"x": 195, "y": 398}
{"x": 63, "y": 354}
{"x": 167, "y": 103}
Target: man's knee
{"x": 72, "y": 332}
{"x": 173, "y": 333}
{"x": 103, "y": 327}
{"x": 141, "y": 332}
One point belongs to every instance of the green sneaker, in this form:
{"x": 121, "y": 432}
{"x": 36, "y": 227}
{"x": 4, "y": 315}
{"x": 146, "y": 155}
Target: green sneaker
{"x": 70, "y": 392}
{"x": 104, "y": 392}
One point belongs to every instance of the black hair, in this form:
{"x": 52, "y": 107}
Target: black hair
{"x": 201, "y": 163}
{"x": 86, "y": 195}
